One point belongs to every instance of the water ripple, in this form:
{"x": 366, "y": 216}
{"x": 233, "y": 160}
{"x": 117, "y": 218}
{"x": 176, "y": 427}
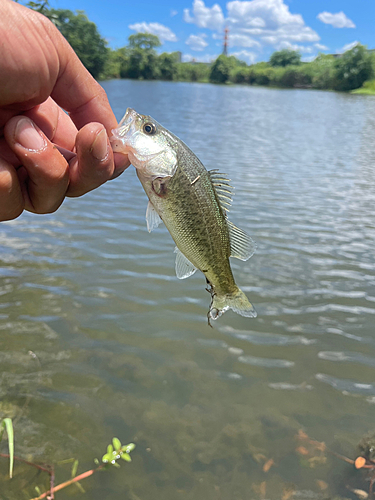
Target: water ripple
{"x": 346, "y": 386}
{"x": 267, "y": 338}
{"x": 266, "y": 362}
{"x": 354, "y": 357}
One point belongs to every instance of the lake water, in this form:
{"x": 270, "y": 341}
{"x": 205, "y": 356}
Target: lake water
{"x": 100, "y": 339}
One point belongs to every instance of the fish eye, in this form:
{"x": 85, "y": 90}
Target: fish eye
{"x": 149, "y": 128}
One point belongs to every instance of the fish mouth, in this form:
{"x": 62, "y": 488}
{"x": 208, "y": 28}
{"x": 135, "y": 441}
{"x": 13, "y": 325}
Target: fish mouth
{"x": 142, "y": 151}
{"x": 121, "y": 140}
{"x": 130, "y": 117}
{"x": 126, "y": 128}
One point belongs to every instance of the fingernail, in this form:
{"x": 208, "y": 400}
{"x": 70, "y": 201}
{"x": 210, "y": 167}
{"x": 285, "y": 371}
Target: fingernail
{"x": 100, "y": 147}
{"x": 28, "y": 136}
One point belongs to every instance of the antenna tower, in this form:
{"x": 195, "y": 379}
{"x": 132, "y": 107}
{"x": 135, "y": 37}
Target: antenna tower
{"x": 225, "y": 46}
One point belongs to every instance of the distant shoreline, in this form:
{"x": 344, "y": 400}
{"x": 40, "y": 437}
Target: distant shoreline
{"x": 361, "y": 91}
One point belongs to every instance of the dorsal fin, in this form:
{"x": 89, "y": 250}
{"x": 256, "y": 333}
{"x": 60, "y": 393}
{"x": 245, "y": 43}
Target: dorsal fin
{"x": 241, "y": 245}
{"x": 223, "y": 189}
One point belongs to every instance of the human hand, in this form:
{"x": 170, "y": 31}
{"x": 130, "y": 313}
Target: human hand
{"x": 40, "y": 77}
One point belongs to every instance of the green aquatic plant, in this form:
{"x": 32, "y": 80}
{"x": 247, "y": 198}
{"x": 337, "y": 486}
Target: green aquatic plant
{"x": 115, "y": 452}
{"x": 6, "y": 424}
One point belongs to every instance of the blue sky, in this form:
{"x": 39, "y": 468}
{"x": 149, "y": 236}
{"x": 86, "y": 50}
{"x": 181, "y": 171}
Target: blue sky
{"x": 256, "y": 27}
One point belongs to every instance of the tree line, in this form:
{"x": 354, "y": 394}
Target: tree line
{"x": 345, "y": 72}
{"x": 140, "y": 60}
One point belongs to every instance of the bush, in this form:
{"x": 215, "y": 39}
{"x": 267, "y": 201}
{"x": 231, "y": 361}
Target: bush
{"x": 192, "y": 72}
{"x": 322, "y": 71}
{"x": 259, "y": 74}
{"x": 295, "y": 77}
{"x": 223, "y": 68}
{"x": 367, "y": 88}
{"x": 115, "y": 65}
{"x": 240, "y": 75}
{"x": 220, "y": 70}
{"x": 168, "y": 66}
{"x": 353, "y": 68}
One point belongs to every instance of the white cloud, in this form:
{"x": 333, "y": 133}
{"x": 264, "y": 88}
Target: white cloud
{"x": 174, "y": 13}
{"x": 163, "y": 32}
{"x": 197, "y": 42}
{"x": 295, "y": 46}
{"x": 319, "y": 46}
{"x": 245, "y": 55}
{"x": 242, "y": 40}
{"x": 205, "y": 17}
{"x": 289, "y": 33}
{"x": 273, "y": 13}
{"x": 206, "y": 58}
{"x": 338, "y": 20}
{"x": 347, "y": 47}
{"x": 270, "y": 21}
{"x": 255, "y": 24}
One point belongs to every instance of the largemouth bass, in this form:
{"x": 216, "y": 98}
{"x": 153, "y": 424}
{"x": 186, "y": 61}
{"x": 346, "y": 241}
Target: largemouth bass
{"x": 192, "y": 203}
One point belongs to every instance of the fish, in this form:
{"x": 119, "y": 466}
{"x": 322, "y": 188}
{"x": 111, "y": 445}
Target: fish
{"x": 193, "y": 204}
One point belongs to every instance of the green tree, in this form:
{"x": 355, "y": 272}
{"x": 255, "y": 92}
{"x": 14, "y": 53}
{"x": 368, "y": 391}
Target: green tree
{"x": 193, "y": 72}
{"x": 150, "y": 66}
{"x": 145, "y": 41}
{"x": 168, "y": 65}
{"x": 259, "y": 74}
{"x": 295, "y": 76}
{"x": 116, "y": 64}
{"x": 285, "y": 57}
{"x": 240, "y": 75}
{"x": 142, "y": 64}
{"x": 221, "y": 68}
{"x": 322, "y": 71}
{"x": 353, "y": 68}
{"x": 41, "y": 6}
{"x": 143, "y": 59}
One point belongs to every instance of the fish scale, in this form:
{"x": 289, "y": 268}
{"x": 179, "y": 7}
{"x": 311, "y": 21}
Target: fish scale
{"x": 194, "y": 217}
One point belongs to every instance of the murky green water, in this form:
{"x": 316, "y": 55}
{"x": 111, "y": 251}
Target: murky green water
{"x": 99, "y": 338}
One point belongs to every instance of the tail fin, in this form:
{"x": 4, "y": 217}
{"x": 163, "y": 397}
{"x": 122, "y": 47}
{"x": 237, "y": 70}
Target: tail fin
{"x": 237, "y": 301}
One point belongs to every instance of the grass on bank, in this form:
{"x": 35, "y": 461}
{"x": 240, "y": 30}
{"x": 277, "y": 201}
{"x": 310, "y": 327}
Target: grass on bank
{"x": 368, "y": 88}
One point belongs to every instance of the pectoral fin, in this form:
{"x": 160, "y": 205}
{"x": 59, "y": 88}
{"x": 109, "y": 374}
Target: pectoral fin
{"x": 152, "y": 217}
{"x": 184, "y": 268}
{"x": 241, "y": 245}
